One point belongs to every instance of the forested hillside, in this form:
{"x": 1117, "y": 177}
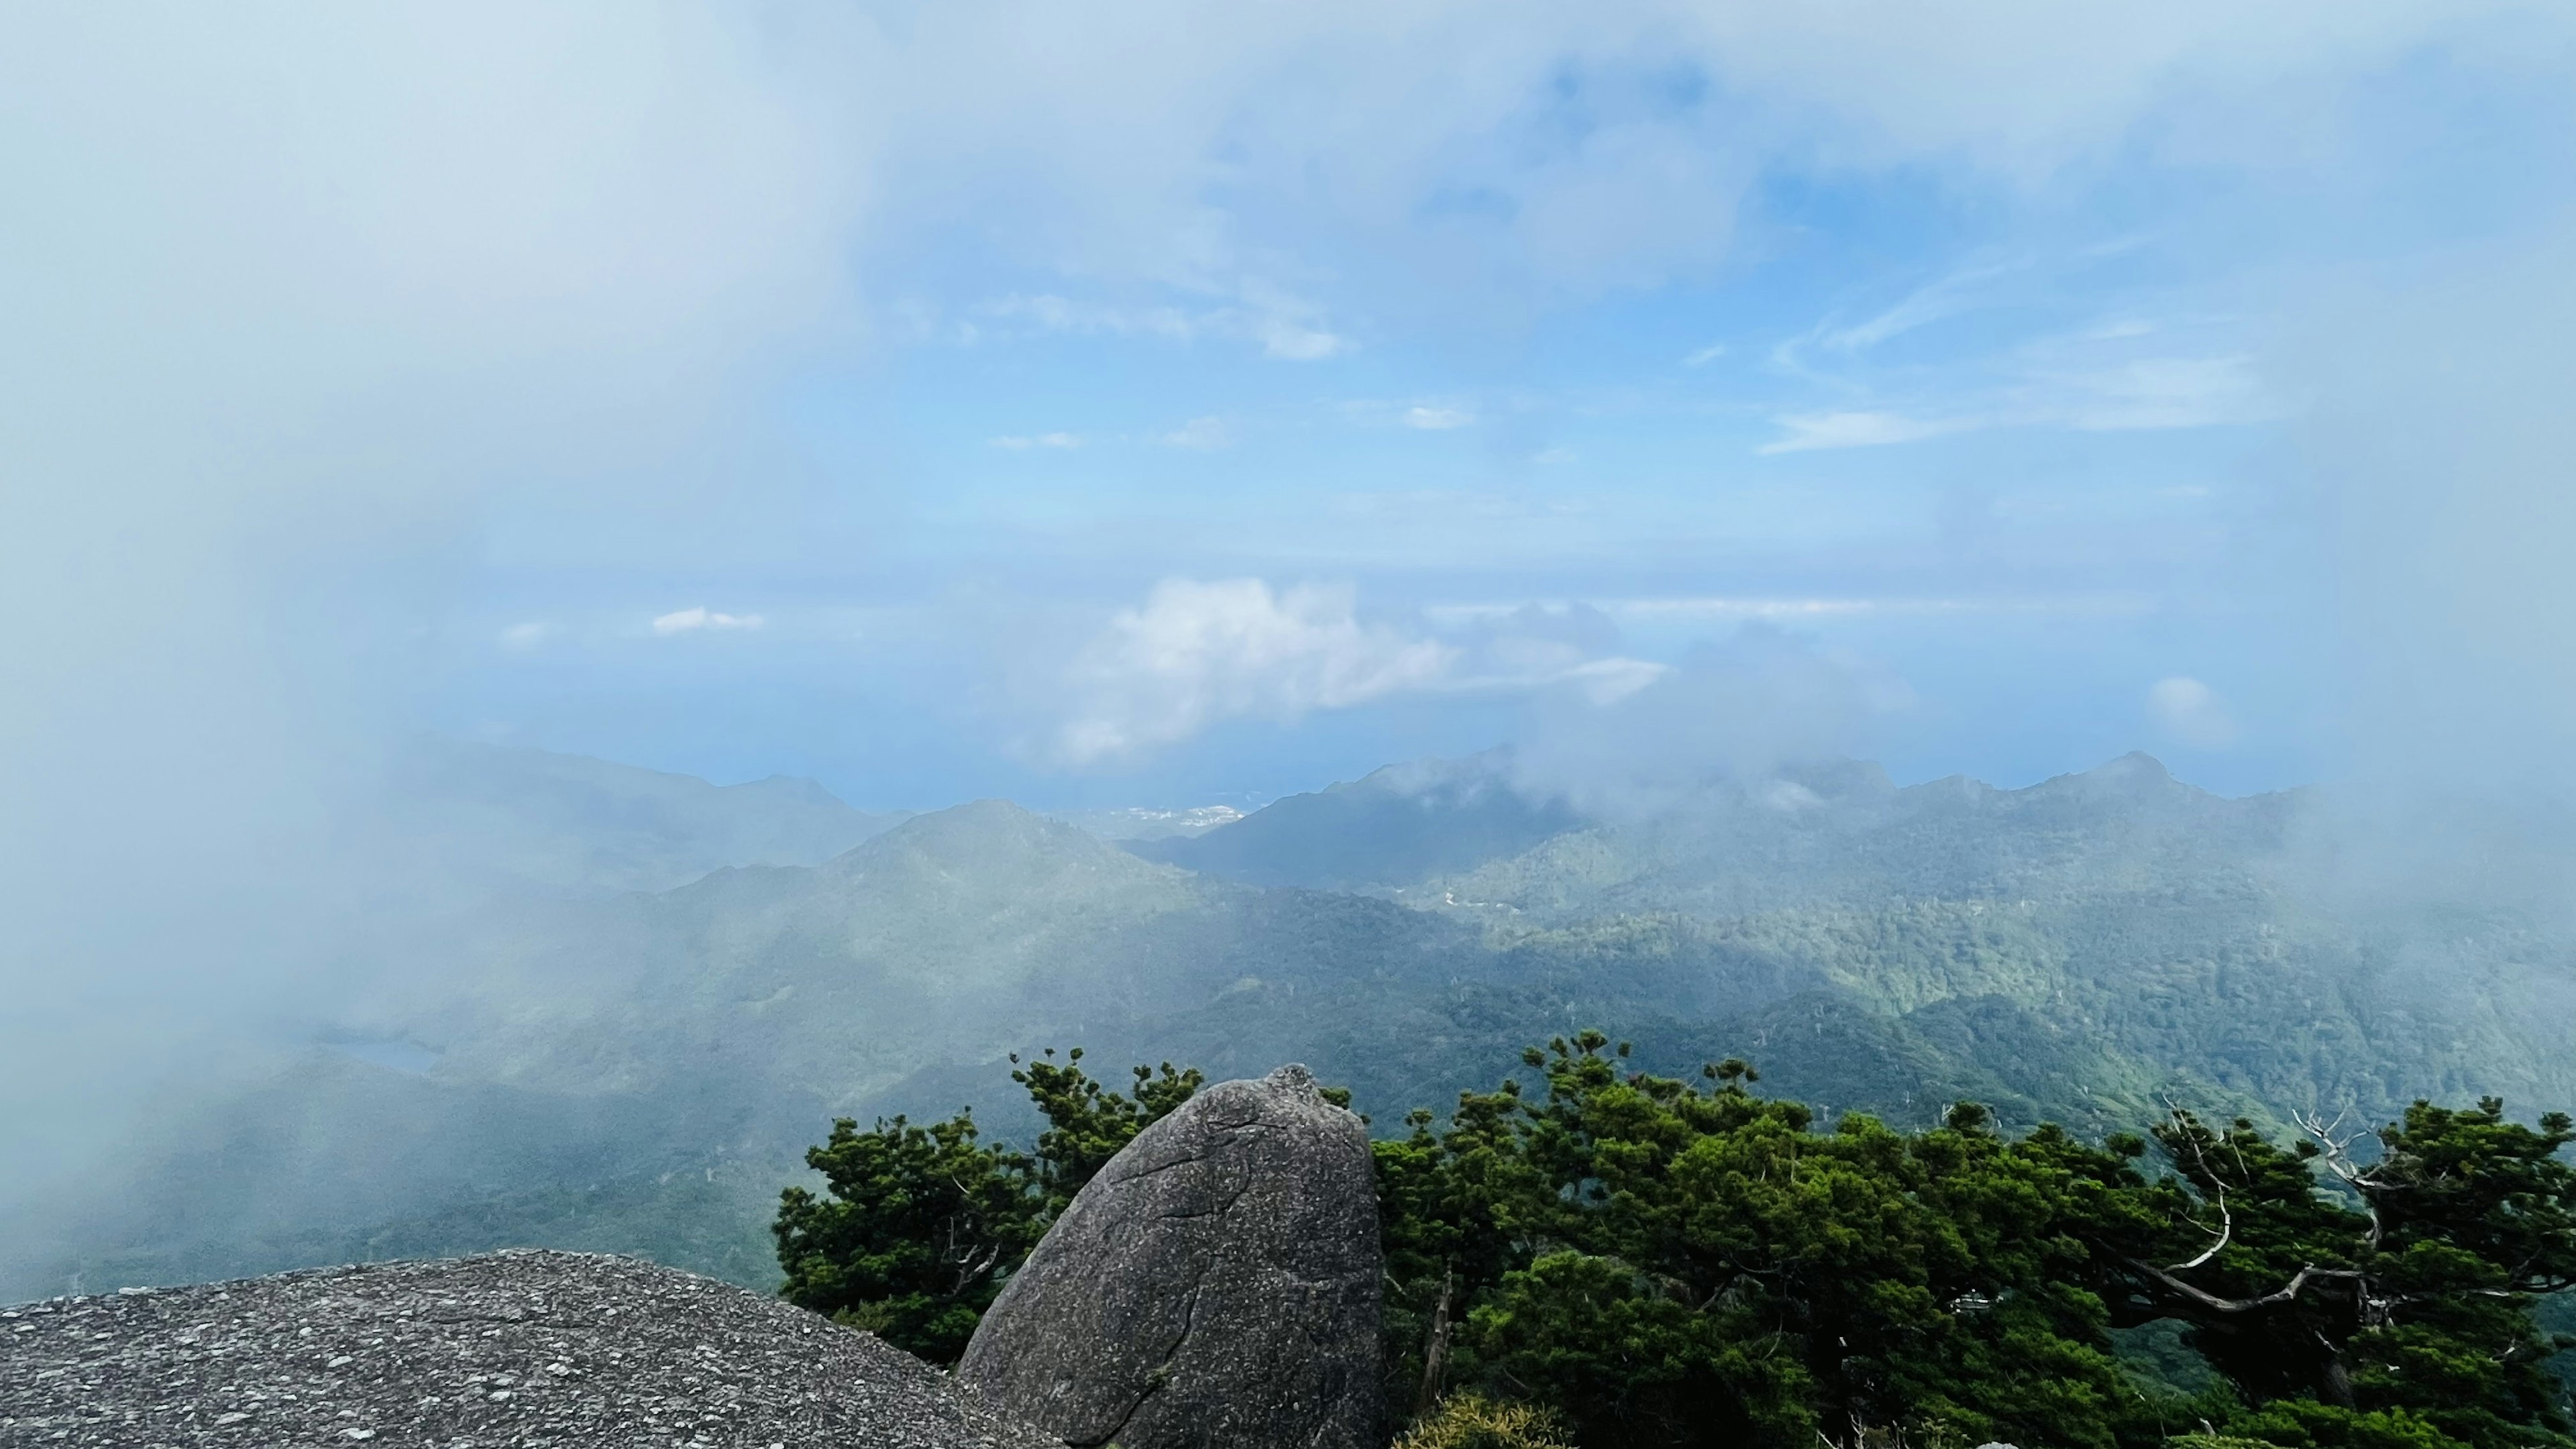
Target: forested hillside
{"x": 639, "y": 1071}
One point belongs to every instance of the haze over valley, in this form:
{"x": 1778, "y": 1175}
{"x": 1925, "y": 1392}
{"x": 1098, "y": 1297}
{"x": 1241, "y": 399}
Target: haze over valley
{"x": 658, "y": 991}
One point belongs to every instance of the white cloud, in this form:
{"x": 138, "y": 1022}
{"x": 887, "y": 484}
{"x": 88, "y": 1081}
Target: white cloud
{"x": 2164, "y": 392}
{"x": 1203, "y": 434}
{"x": 1810, "y": 432}
{"x": 1705, "y": 355}
{"x": 1296, "y": 341}
{"x": 2048, "y": 387}
{"x": 2191, "y": 713}
{"x": 1041, "y": 440}
{"x": 1608, "y": 681}
{"x": 1284, "y": 326}
{"x": 1436, "y": 419}
{"x": 1607, "y": 147}
{"x": 1719, "y": 608}
{"x": 684, "y": 621}
{"x": 1746, "y": 709}
{"x": 1050, "y": 313}
{"x": 1196, "y": 653}
{"x": 1965, "y": 290}
{"x": 520, "y": 638}
{"x": 2148, "y": 366}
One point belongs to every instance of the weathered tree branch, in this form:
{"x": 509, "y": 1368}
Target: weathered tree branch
{"x": 1435, "y": 1351}
{"x": 2286, "y": 1293}
{"x": 2338, "y": 1159}
{"x": 2226, "y": 1221}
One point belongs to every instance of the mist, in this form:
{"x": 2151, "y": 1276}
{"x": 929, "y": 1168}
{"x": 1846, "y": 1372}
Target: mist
{"x": 1171, "y": 411}
{"x": 297, "y": 298}
{"x": 2438, "y": 460}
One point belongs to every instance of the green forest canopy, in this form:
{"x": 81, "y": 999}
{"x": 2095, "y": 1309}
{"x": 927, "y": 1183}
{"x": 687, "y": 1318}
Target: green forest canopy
{"x": 1645, "y": 1260}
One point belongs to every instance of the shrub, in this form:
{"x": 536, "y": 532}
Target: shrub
{"x": 1470, "y": 1421}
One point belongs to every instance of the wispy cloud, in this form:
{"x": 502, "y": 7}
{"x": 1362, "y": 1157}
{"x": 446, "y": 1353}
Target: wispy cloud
{"x": 1833, "y": 346}
{"x": 2190, "y": 712}
{"x": 688, "y": 621}
{"x": 1720, "y": 607}
{"x": 1725, "y": 608}
{"x": 1284, "y": 326}
{"x": 1203, "y": 434}
{"x": 1963, "y": 291}
{"x": 1600, "y": 681}
{"x": 2140, "y": 394}
{"x": 1436, "y": 419}
{"x": 1705, "y": 355}
{"x": 1807, "y": 432}
{"x": 2160, "y": 392}
{"x": 1049, "y": 313}
{"x": 1297, "y": 341}
{"x": 2125, "y": 366}
{"x": 1040, "y": 440}
{"x": 522, "y": 637}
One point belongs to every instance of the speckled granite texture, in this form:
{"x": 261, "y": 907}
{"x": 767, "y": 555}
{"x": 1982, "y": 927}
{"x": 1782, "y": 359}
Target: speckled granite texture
{"x": 1215, "y": 1287}
{"x": 512, "y": 1349}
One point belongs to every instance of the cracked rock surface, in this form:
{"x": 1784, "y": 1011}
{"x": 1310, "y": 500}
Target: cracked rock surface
{"x": 521, "y": 1348}
{"x": 1215, "y": 1287}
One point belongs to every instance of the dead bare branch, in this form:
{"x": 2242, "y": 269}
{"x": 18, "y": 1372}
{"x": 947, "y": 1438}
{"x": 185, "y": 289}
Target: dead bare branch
{"x": 2336, "y": 1152}
{"x": 2226, "y": 1220}
{"x": 2286, "y": 1293}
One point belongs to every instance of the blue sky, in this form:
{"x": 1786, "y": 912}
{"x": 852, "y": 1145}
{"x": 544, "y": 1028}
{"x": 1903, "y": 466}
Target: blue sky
{"x": 1168, "y": 403}
{"x": 1178, "y": 404}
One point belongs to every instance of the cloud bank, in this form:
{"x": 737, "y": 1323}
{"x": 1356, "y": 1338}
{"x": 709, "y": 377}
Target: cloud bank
{"x": 1741, "y": 709}
{"x": 2442, "y": 459}
{"x": 293, "y": 296}
{"x": 1197, "y": 653}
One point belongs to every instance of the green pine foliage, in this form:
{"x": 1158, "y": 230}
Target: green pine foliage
{"x": 918, "y": 1227}
{"x": 1086, "y": 1123}
{"x": 1598, "y": 1256}
{"x": 1700, "y": 1265}
{"x": 2406, "y": 1306}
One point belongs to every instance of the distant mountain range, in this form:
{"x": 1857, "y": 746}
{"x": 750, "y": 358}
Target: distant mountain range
{"x": 1402, "y": 824}
{"x": 1145, "y": 823}
{"x": 520, "y": 818}
{"x": 583, "y": 1066}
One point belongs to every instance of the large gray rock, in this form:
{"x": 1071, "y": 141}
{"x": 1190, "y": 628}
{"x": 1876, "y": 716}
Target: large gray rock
{"x": 510, "y": 1349}
{"x": 1215, "y": 1287}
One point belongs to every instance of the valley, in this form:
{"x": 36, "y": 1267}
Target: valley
{"x": 567, "y": 1063}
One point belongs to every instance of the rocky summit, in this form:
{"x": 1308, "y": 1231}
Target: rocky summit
{"x": 1216, "y": 1286}
{"x": 519, "y": 1348}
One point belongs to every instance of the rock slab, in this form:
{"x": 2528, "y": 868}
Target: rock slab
{"x": 1217, "y": 1286}
{"x": 524, "y": 1348}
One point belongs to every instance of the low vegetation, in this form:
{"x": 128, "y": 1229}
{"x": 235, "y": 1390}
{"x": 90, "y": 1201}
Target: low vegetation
{"x": 1602, "y": 1256}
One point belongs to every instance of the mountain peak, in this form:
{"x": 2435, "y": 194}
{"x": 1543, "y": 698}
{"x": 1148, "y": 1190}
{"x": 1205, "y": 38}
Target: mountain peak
{"x": 1394, "y": 825}
{"x": 801, "y": 788}
{"x": 988, "y": 835}
{"x": 2137, "y": 769}
{"x": 2136, "y": 775}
